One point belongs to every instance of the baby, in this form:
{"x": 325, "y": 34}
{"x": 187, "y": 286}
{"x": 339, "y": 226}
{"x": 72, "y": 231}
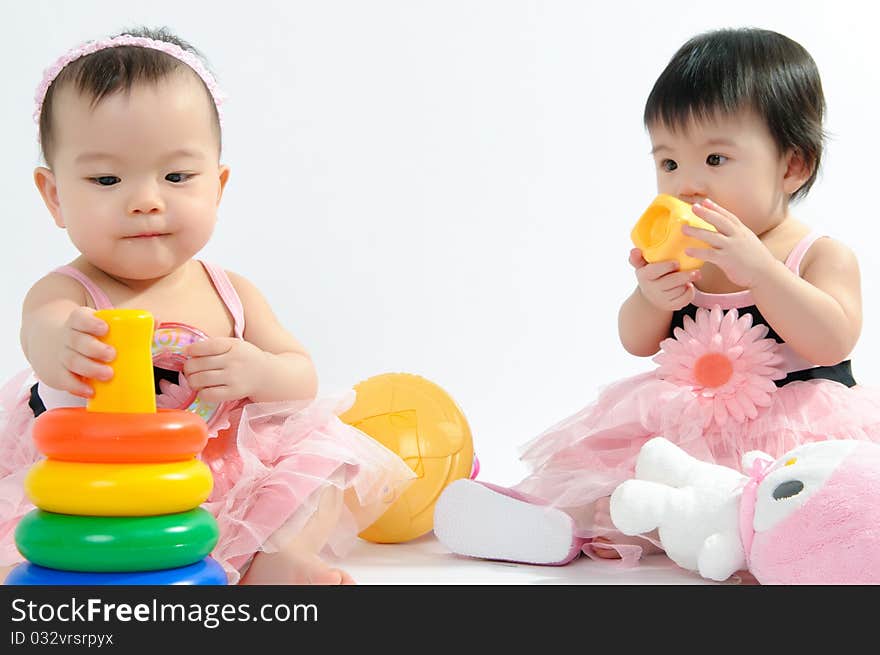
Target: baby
{"x": 752, "y": 347}
{"x": 130, "y": 128}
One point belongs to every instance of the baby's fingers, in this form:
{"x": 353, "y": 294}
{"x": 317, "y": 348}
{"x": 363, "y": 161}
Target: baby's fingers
{"x": 76, "y": 385}
{"x": 218, "y": 394}
{"x": 681, "y": 296}
{"x": 651, "y": 272}
{"x": 89, "y": 346}
{"x": 706, "y": 254}
{"x": 636, "y": 259}
{"x": 80, "y": 365}
{"x": 83, "y": 319}
{"x": 680, "y": 279}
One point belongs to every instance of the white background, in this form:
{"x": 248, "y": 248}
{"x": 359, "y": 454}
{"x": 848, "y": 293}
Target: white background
{"x": 444, "y": 188}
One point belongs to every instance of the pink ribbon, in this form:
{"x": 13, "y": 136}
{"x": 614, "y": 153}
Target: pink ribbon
{"x": 759, "y": 470}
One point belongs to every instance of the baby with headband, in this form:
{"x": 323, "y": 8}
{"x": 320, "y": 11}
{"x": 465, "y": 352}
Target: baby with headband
{"x": 130, "y": 129}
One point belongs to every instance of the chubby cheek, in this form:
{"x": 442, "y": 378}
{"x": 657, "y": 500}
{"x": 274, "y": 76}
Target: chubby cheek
{"x": 199, "y": 213}
{"x": 755, "y": 206}
{"x": 664, "y": 183}
{"x": 199, "y": 234}
{"x": 196, "y": 225}
{"x": 760, "y": 199}
{"x": 88, "y": 226}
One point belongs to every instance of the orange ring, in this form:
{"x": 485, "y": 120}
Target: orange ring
{"x": 73, "y": 434}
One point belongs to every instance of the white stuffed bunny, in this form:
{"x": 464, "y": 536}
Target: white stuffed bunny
{"x": 694, "y": 505}
{"x": 811, "y": 516}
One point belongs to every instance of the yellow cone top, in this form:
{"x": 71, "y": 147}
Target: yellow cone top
{"x": 131, "y": 389}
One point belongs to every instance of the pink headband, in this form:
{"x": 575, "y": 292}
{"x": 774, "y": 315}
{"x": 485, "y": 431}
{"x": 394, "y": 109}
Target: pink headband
{"x": 175, "y": 51}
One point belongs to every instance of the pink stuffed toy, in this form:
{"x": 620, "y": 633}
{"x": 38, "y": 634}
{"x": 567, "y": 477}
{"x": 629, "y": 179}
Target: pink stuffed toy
{"x": 810, "y": 517}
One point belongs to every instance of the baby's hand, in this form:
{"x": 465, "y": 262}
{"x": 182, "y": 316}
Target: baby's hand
{"x": 734, "y": 248}
{"x": 82, "y": 354}
{"x": 224, "y": 368}
{"x": 662, "y": 284}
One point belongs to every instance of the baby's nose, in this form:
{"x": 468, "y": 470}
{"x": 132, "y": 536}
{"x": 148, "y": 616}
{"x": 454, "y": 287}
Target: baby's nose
{"x": 145, "y": 199}
{"x": 692, "y": 191}
{"x": 145, "y": 205}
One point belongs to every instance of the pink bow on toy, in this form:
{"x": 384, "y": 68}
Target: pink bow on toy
{"x": 759, "y": 470}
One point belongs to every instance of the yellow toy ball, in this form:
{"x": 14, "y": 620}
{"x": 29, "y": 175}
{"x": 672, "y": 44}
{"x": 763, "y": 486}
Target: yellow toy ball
{"x": 419, "y": 421}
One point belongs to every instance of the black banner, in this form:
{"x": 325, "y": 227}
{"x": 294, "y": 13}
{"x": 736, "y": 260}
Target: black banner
{"x": 389, "y": 619}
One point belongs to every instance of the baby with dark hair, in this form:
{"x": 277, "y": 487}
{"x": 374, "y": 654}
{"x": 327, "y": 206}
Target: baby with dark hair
{"x": 752, "y": 347}
{"x": 130, "y": 128}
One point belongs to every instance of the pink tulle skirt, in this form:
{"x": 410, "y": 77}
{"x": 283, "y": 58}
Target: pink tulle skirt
{"x": 583, "y": 458}
{"x": 272, "y": 464}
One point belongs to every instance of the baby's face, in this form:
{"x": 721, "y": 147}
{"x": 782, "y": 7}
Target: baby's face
{"x": 138, "y": 175}
{"x": 732, "y": 160}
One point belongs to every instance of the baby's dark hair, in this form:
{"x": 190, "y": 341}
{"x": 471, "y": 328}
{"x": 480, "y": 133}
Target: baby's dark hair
{"x": 730, "y": 69}
{"x": 111, "y": 70}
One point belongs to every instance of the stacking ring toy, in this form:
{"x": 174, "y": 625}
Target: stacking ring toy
{"x": 205, "y": 572}
{"x": 73, "y": 434}
{"x": 114, "y": 544}
{"x": 118, "y": 489}
{"x": 170, "y": 341}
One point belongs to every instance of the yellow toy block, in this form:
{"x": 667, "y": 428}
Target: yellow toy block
{"x": 658, "y": 232}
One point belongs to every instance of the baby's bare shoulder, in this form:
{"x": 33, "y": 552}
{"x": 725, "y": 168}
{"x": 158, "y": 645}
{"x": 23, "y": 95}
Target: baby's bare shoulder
{"x": 55, "y": 286}
{"x": 828, "y": 253}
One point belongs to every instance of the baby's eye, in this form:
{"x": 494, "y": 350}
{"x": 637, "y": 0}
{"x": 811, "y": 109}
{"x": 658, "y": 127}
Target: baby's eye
{"x": 715, "y": 160}
{"x": 106, "y": 180}
{"x": 178, "y": 177}
{"x": 668, "y": 165}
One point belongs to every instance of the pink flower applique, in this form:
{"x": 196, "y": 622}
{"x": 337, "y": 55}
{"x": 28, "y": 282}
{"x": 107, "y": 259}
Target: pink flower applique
{"x": 175, "y": 396}
{"x": 728, "y": 364}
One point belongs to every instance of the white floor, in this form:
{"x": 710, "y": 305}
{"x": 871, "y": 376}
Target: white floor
{"x": 424, "y": 561}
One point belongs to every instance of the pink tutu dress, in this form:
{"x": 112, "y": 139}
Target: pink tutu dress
{"x": 270, "y": 461}
{"x": 726, "y": 384}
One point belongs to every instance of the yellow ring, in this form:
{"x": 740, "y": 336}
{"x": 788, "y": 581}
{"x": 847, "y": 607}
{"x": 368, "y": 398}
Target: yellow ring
{"x": 118, "y": 489}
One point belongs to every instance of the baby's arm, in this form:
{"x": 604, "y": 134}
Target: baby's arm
{"x": 644, "y": 318}
{"x": 819, "y": 314}
{"x": 641, "y": 325}
{"x": 59, "y": 336}
{"x": 289, "y": 373}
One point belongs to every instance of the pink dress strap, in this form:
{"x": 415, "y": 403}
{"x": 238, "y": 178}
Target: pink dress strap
{"x": 793, "y": 262}
{"x": 228, "y": 294}
{"x": 218, "y": 276}
{"x": 99, "y": 298}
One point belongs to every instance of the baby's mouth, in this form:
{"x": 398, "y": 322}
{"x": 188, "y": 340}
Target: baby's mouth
{"x": 147, "y": 235}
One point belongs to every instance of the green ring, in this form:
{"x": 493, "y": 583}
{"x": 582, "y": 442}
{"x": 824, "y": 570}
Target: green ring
{"x": 116, "y": 543}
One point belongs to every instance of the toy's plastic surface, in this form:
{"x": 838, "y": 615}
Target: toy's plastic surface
{"x": 118, "y": 497}
{"x": 118, "y": 489}
{"x": 205, "y": 572}
{"x": 420, "y": 422}
{"x": 73, "y": 434}
{"x": 658, "y": 232}
{"x": 169, "y": 344}
{"x": 131, "y": 388}
{"x": 114, "y": 544}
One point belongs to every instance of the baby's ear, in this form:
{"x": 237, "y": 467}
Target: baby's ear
{"x": 224, "y": 178}
{"x": 44, "y": 178}
{"x": 798, "y": 170}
